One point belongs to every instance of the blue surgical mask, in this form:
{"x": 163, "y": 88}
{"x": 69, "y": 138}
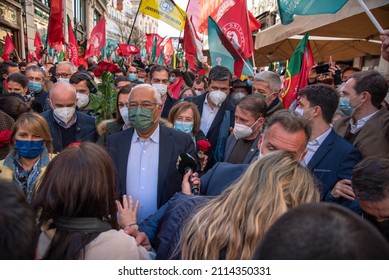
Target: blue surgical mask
{"x": 141, "y": 80}
{"x": 249, "y": 82}
{"x": 132, "y": 77}
{"x": 171, "y": 79}
{"x": 35, "y": 86}
{"x": 345, "y": 107}
{"x": 29, "y": 149}
{"x": 186, "y": 127}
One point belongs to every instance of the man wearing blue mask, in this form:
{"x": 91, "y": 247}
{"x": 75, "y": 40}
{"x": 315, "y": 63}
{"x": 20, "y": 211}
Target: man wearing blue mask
{"x": 36, "y": 76}
{"x": 132, "y": 74}
{"x": 146, "y": 154}
{"x": 368, "y": 126}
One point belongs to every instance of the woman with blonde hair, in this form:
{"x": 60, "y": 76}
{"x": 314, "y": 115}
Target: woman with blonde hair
{"x": 231, "y": 225}
{"x": 30, "y": 144}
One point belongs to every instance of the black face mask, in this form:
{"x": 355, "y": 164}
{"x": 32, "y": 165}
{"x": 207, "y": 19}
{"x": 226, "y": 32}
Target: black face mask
{"x": 383, "y": 226}
{"x": 23, "y": 72}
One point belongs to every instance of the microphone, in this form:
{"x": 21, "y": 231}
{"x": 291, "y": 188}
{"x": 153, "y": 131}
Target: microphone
{"x": 185, "y": 163}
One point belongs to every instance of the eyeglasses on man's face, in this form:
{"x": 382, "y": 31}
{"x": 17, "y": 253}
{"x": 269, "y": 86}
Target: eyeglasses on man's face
{"x": 145, "y": 105}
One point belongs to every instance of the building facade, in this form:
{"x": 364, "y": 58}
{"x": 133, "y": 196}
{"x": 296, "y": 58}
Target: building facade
{"x": 23, "y": 18}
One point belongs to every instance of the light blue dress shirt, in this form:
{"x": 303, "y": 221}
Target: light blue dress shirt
{"x": 142, "y": 173}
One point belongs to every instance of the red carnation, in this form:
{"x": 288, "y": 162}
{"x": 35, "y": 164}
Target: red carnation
{"x": 203, "y": 145}
{"x": 5, "y": 136}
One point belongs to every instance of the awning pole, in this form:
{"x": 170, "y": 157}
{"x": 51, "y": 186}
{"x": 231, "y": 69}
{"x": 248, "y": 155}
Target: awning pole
{"x": 371, "y": 16}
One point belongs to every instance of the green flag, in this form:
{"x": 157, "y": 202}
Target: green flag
{"x": 154, "y": 49}
{"x": 288, "y": 8}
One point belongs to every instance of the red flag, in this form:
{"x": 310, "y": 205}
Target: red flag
{"x": 150, "y": 41}
{"x": 128, "y": 49}
{"x": 235, "y": 25}
{"x": 30, "y": 57}
{"x": 192, "y": 46}
{"x": 254, "y": 23}
{"x": 96, "y": 40}
{"x": 72, "y": 46}
{"x": 56, "y": 20}
{"x": 206, "y": 8}
{"x": 175, "y": 88}
{"x": 168, "y": 51}
{"x": 37, "y": 41}
{"x": 8, "y": 48}
{"x": 38, "y": 53}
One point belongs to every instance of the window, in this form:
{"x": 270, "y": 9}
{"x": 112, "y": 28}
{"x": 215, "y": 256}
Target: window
{"x": 96, "y": 17}
{"x": 79, "y": 11}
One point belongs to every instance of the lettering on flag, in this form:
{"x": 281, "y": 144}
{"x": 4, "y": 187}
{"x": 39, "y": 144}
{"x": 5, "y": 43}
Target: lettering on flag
{"x": 165, "y": 10}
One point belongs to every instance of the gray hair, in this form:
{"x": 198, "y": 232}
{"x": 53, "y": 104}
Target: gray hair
{"x": 73, "y": 68}
{"x": 35, "y": 68}
{"x": 271, "y": 78}
{"x": 156, "y": 94}
{"x": 291, "y": 122}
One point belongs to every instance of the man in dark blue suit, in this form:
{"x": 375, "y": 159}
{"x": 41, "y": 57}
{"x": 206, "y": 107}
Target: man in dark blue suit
{"x": 146, "y": 154}
{"x": 159, "y": 78}
{"x": 285, "y": 131}
{"x": 217, "y": 112}
{"x": 330, "y": 157}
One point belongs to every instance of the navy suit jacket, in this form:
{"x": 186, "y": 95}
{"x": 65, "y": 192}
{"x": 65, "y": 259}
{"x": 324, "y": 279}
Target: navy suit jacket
{"x": 251, "y": 154}
{"x": 169, "y": 103}
{"x": 333, "y": 161}
{"x": 172, "y": 144}
{"x": 214, "y": 136}
{"x": 220, "y": 177}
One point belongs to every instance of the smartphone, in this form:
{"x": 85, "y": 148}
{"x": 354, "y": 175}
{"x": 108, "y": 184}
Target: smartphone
{"x": 324, "y": 68}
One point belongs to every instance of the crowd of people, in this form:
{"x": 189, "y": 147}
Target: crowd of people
{"x": 310, "y": 182}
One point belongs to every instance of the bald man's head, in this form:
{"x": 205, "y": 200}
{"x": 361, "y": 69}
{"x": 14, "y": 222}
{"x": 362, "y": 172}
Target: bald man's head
{"x": 62, "y": 94}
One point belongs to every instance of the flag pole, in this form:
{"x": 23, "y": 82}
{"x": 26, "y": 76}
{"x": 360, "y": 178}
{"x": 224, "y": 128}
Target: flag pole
{"x": 133, "y": 24}
{"x": 371, "y": 16}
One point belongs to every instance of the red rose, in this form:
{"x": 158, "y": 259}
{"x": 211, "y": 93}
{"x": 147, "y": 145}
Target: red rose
{"x": 98, "y": 72}
{"x": 113, "y": 68}
{"x": 203, "y": 145}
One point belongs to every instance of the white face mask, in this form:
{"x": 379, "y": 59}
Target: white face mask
{"x": 161, "y": 88}
{"x": 124, "y": 114}
{"x": 299, "y": 111}
{"x": 82, "y": 100}
{"x": 64, "y": 113}
{"x": 198, "y": 92}
{"x": 217, "y": 97}
{"x": 242, "y": 131}
{"x": 63, "y": 80}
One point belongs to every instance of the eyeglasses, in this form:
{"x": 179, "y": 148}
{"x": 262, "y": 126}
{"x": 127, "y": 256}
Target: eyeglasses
{"x": 62, "y": 75}
{"x": 144, "y": 105}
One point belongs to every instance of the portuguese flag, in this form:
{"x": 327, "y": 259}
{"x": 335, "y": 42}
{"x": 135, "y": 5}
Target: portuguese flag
{"x": 296, "y": 76}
